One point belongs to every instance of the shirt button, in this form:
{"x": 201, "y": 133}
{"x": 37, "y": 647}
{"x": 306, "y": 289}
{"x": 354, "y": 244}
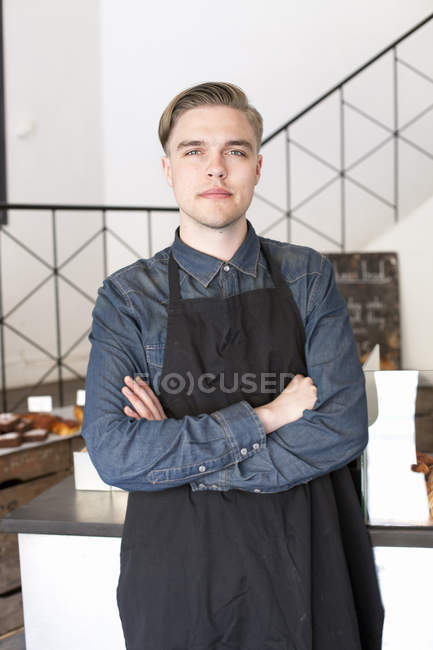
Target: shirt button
{"x": 226, "y": 267}
{"x": 244, "y": 451}
{"x": 257, "y": 490}
{"x": 256, "y": 445}
{"x": 202, "y": 468}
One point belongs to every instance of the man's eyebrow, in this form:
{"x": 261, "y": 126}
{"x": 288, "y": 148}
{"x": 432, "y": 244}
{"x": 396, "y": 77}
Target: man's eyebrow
{"x": 230, "y": 143}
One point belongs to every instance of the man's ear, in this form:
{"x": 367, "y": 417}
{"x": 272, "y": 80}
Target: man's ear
{"x": 166, "y": 166}
{"x": 258, "y": 167}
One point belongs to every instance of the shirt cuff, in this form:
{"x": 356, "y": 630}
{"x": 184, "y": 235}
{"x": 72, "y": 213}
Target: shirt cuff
{"x": 242, "y": 428}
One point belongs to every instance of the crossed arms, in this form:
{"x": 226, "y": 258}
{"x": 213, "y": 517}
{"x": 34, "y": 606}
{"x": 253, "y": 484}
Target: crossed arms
{"x": 229, "y": 448}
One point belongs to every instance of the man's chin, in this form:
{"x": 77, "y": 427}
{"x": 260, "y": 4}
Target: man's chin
{"x": 217, "y": 221}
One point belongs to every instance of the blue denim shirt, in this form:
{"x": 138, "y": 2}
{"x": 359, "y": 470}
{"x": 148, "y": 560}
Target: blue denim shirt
{"x": 227, "y": 449}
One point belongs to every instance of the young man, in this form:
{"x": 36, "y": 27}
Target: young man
{"x": 242, "y": 403}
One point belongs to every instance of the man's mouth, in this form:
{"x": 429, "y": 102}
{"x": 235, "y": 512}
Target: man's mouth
{"x": 215, "y": 193}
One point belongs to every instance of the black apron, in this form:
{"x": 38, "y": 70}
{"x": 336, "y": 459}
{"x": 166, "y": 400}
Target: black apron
{"x": 235, "y": 570}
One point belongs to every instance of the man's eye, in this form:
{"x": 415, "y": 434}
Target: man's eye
{"x": 188, "y": 153}
{"x": 237, "y": 152}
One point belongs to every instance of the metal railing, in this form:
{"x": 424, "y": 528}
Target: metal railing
{"x": 55, "y": 272}
{"x": 342, "y": 172}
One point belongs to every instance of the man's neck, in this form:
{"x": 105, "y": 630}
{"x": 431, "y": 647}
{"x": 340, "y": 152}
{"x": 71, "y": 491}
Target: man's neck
{"x": 221, "y": 243}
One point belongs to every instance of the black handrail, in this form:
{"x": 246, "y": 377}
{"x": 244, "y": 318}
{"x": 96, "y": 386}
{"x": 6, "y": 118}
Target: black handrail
{"x": 81, "y": 208}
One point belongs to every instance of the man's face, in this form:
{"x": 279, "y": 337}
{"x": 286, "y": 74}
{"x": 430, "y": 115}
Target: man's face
{"x": 212, "y": 148}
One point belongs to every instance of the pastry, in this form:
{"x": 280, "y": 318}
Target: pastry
{"x": 23, "y": 425}
{"x": 65, "y": 427}
{"x": 11, "y": 439}
{"x": 425, "y": 465}
{"x": 35, "y": 435}
{"x": 8, "y": 422}
{"x": 79, "y": 412}
{"x": 42, "y": 420}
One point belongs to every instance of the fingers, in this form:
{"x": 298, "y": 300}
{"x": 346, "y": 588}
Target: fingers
{"x": 130, "y": 413}
{"x": 153, "y": 398}
{"x": 140, "y": 407}
{"x": 143, "y": 399}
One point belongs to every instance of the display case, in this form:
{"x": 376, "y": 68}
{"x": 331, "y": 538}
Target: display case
{"x": 397, "y": 477}
{"x": 397, "y": 465}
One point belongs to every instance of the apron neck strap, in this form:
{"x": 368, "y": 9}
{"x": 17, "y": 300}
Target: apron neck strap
{"x": 173, "y": 273}
{"x": 274, "y": 269}
{"x": 173, "y": 279}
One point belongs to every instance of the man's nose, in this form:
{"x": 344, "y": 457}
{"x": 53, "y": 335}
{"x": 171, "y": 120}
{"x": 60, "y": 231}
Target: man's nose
{"x": 216, "y": 168}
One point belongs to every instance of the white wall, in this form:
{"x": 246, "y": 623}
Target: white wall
{"x": 285, "y": 55}
{"x": 53, "y": 100}
{"x": 54, "y": 154}
{"x": 412, "y": 240}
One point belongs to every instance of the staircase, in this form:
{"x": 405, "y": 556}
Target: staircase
{"x": 359, "y": 158}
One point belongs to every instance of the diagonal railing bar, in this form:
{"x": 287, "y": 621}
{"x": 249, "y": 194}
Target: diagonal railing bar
{"x": 417, "y": 147}
{"x": 369, "y": 191}
{"x": 394, "y": 132}
{"x": 321, "y": 233}
{"x": 72, "y": 370}
{"x": 319, "y": 190}
{"x": 358, "y": 161}
{"x": 416, "y": 70}
{"x": 286, "y": 215}
{"x": 273, "y": 224}
{"x": 314, "y": 155}
{"x": 34, "y": 386}
{"x": 30, "y": 341}
{"x": 369, "y": 153}
{"x": 332, "y": 180}
{"x": 272, "y": 205}
{"x": 416, "y": 118}
{"x": 27, "y": 249}
{"x": 78, "y": 289}
{"x": 28, "y": 296}
{"x": 367, "y": 116}
{"x": 74, "y": 345}
{"x": 41, "y": 380}
{"x": 80, "y": 249}
{"x": 124, "y": 243}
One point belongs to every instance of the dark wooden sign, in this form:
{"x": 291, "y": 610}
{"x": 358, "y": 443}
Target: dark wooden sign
{"x": 369, "y": 283}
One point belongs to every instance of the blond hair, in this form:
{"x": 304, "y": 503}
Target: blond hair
{"x": 209, "y": 93}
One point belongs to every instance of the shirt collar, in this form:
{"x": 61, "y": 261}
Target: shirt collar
{"x": 204, "y": 267}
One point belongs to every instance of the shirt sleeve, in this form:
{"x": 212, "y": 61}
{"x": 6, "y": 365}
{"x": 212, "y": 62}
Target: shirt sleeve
{"x": 335, "y": 431}
{"x": 151, "y": 454}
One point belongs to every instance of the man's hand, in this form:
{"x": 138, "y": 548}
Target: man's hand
{"x": 289, "y": 405}
{"x": 143, "y": 399}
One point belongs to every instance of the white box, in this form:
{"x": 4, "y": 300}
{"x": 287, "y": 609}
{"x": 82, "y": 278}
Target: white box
{"x": 85, "y": 474}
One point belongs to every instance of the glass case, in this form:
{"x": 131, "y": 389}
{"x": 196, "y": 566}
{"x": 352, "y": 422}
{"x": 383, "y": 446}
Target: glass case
{"x": 397, "y": 464}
